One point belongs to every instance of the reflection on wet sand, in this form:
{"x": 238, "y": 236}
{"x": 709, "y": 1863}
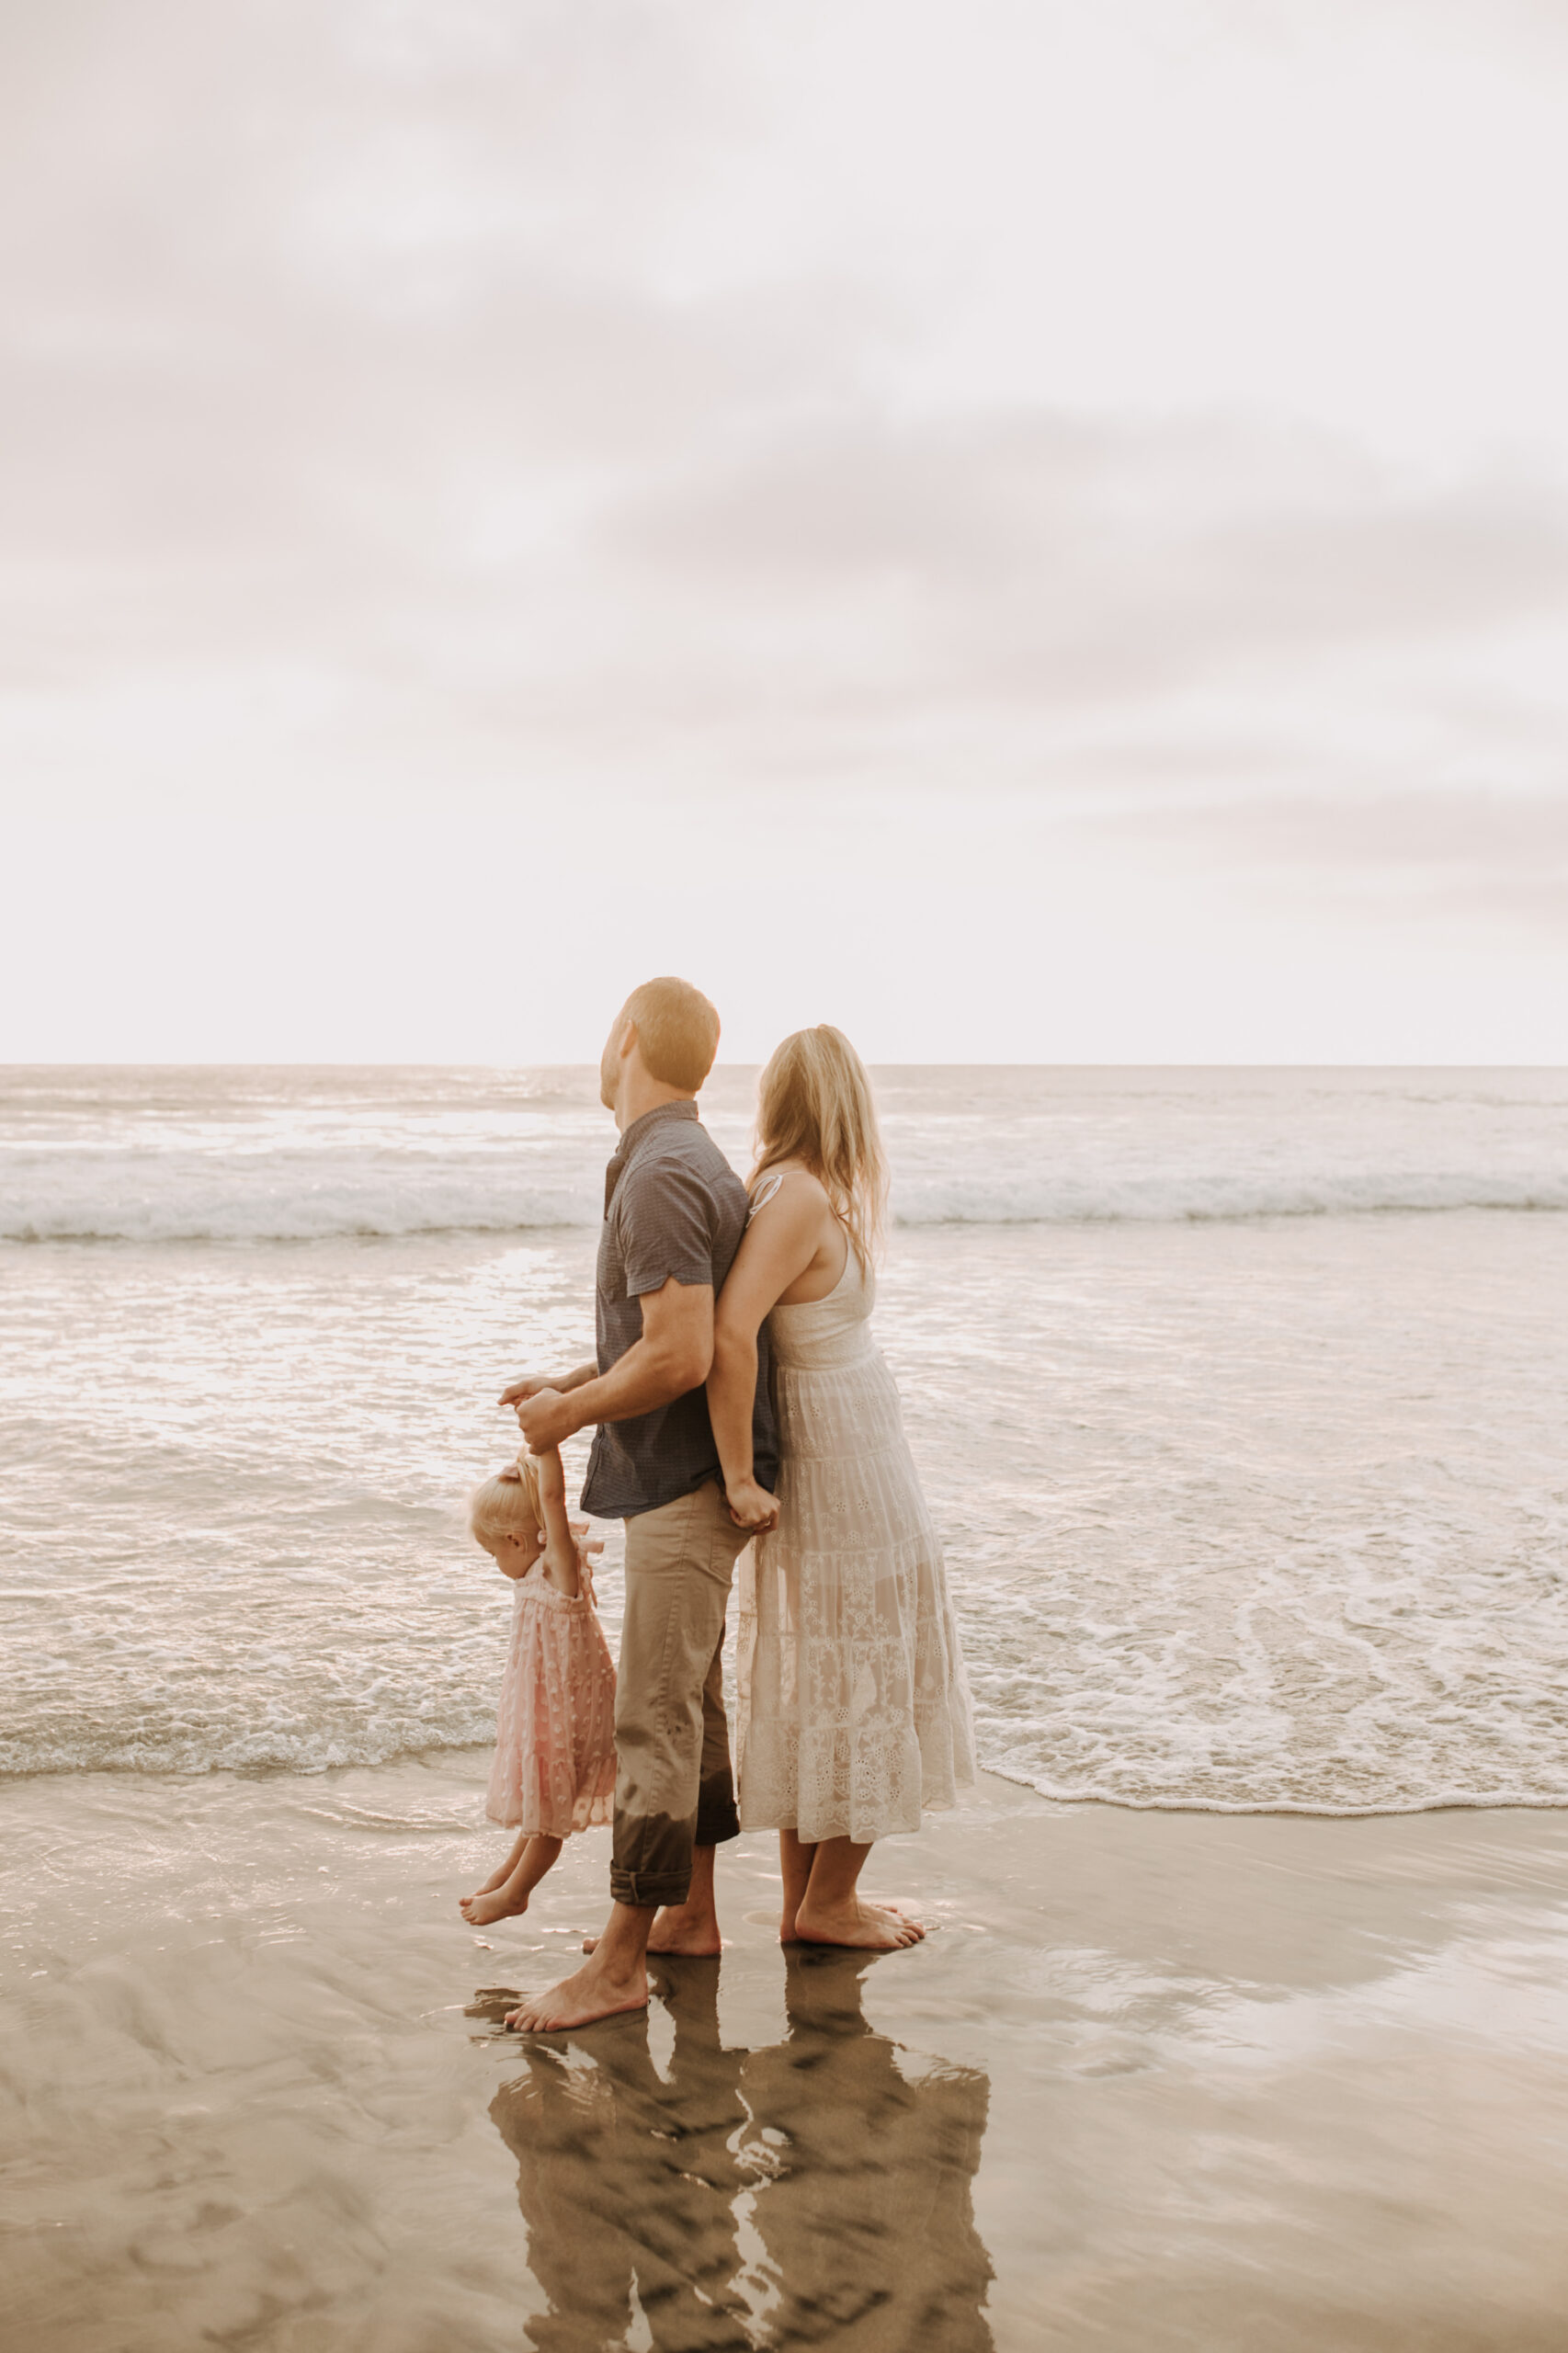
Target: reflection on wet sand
{"x": 850, "y": 2158}
{"x": 870, "y": 2152}
{"x": 624, "y": 2178}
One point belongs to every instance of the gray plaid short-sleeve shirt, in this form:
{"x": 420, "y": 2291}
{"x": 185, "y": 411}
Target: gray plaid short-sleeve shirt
{"x": 673, "y": 1205}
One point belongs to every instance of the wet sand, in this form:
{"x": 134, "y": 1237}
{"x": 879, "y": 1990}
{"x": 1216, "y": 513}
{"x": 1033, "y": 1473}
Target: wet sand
{"x": 1156, "y": 2081}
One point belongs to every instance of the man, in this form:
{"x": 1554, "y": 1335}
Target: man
{"x": 675, "y": 1212}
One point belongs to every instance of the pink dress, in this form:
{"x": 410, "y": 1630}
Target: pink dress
{"x": 554, "y": 1770}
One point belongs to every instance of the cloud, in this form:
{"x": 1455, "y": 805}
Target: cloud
{"x": 588, "y": 396}
{"x": 1066, "y": 555}
{"x": 1500, "y": 857}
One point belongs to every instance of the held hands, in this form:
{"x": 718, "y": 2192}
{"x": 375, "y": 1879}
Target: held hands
{"x": 544, "y": 1415}
{"x": 750, "y": 1506}
{"x": 529, "y": 1386}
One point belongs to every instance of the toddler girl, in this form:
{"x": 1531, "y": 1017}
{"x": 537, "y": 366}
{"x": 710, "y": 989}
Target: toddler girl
{"x": 554, "y": 1770}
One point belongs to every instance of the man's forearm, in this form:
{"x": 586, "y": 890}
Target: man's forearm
{"x": 579, "y": 1375}
{"x": 641, "y": 1381}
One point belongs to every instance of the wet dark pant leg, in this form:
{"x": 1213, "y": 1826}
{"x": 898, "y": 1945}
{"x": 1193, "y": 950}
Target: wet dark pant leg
{"x": 671, "y": 1739}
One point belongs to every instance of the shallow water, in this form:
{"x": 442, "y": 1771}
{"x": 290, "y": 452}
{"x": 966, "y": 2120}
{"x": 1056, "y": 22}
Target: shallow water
{"x": 1243, "y": 1510}
{"x": 1159, "y": 2084}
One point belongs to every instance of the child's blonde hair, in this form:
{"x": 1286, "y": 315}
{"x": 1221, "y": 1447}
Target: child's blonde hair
{"x": 500, "y": 1507}
{"x": 813, "y": 1103}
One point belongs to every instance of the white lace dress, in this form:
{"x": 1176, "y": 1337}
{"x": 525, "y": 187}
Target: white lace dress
{"x": 854, "y": 1709}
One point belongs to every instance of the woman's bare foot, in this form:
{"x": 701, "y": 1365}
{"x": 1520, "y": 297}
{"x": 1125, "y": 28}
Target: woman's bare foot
{"x": 896, "y": 1905}
{"x": 856, "y": 1922}
{"x": 491, "y": 1903}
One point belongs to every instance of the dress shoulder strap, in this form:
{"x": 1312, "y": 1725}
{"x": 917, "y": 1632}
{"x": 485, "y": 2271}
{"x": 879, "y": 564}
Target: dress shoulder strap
{"x": 764, "y": 1193}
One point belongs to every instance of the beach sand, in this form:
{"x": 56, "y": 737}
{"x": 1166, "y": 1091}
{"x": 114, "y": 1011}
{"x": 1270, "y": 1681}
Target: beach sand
{"x": 1241, "y": 2085}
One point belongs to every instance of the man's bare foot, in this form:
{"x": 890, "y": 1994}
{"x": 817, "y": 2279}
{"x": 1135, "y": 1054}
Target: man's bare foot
{"x": 865, "y": 1925}
{"x": 591, "y": 1994}
{"x": 491, "y": 1903}
{"x": 689, "y": 1929}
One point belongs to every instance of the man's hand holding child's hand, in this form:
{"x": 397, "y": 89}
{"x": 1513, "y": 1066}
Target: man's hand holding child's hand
{"x": 545, "y": 1418}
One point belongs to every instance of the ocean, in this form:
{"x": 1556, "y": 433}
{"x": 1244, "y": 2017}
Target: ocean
{"x": 1239, "y": 1395}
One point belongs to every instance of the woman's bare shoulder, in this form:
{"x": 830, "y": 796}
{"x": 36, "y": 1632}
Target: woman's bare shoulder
{"x": 792, "y": 1185}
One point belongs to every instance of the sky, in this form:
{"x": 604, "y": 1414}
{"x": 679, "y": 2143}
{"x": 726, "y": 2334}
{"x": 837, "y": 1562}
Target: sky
{"x": 1036, "y": 533}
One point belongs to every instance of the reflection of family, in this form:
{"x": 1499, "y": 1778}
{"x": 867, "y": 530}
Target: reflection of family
{"x": 740, "y": 1403}
{"x": 847, "y": 2160}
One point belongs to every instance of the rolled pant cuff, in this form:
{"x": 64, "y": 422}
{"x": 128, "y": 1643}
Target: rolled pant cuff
{"x": 648, "y": 1889}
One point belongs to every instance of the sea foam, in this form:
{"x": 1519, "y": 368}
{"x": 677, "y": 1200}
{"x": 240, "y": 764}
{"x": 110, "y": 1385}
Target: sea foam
{"x": 1249, "y": 1502}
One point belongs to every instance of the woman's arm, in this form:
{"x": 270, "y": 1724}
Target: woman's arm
{"x": 777, "y": 1248}
{"x": 731, "y": 1392}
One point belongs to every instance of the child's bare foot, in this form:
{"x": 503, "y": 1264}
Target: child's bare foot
{"x": 492, "y": 1903}
{"x": 507, "y": 1895}
{"x": 498, "y": 1877}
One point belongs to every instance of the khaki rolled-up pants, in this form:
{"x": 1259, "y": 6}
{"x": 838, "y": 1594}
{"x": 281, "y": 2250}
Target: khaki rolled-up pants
{"x": 673, "y": 1786}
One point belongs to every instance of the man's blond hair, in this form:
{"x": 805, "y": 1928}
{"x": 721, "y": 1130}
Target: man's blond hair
{"x": 677, "y": 1031}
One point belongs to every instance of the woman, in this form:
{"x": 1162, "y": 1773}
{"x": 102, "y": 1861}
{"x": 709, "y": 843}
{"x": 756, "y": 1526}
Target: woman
{"x": 854, "y": 1709}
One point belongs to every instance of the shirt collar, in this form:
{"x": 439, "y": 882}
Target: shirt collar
{"x": 684, "y": 1108}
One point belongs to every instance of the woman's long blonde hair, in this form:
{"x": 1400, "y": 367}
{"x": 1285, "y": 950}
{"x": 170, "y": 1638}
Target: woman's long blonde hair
{"x": 814, "y": 1104}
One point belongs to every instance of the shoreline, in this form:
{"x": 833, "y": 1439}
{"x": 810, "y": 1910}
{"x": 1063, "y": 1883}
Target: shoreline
{"x": 1157, "y": 2080}
{"x": 1511, "y": 1804}
{"x": 441, "y": 1756}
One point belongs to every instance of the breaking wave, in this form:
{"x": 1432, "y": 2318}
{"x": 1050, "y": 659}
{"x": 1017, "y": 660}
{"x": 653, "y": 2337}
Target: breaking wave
{"x": 257, "y": 1203}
